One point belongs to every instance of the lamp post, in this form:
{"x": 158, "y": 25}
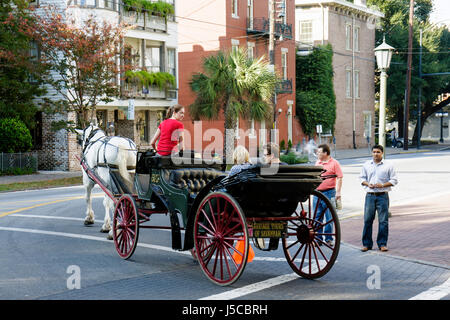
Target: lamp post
{"x": 383, "y": 53}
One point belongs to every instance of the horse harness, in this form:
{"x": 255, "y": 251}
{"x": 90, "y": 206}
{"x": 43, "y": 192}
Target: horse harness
{"x": 105, "y": 141}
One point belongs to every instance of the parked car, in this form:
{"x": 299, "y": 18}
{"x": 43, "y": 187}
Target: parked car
{"x": 400, "y": 141}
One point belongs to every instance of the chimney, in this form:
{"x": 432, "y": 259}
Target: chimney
{"x": 362, "y": 3}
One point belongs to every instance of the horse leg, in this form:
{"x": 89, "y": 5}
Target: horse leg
{"x": 88, "y": 185}
{"x": 107, "y": 203}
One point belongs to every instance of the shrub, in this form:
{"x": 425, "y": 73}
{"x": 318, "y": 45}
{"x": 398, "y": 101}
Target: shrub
{"x": 14, "y": 136}
{"x": 292, "y": 158}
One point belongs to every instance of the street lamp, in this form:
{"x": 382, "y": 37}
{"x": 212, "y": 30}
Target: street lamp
{"x": 383, "y": 53}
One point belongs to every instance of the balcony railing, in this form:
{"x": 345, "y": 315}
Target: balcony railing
{"x": 285, "y": 86}
{"x": 145, "y": 21}
{"x": 138, "y": 91}
{"x": 261, "y": 26}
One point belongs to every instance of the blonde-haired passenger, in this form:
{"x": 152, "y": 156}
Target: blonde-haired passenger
{"x": 241, "y": 159}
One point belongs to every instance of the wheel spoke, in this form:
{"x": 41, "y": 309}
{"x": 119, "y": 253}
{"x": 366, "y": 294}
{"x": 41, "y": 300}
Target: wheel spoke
{"x": 209, "y": 221}
{"x": 212, "y": 214}
{"x": 232, "y": 229}
{"x": 292, "y": 244}
{"x": 208, "y": 230}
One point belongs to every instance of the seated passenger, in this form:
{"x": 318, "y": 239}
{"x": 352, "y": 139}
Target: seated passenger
{"x": 272, "y": 154}
{"x": 241, "y": 159}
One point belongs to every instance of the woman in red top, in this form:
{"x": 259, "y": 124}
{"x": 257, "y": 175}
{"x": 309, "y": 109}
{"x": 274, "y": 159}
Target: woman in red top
{"x": 170, "y": 132}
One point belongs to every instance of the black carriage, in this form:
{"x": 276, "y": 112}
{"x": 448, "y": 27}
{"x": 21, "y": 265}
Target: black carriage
{"x": 221, "y": 214}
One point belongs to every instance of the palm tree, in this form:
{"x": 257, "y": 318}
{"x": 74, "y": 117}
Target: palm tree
{"x": 235, "y": 85}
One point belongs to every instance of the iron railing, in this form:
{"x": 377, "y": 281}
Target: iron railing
{"x": 10, "y": 161}
{"x": 261, "y": 26}
{"x": 285, "y": 86}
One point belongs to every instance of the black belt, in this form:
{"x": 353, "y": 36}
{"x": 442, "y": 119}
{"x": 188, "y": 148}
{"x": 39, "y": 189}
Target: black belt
{"x": 377, "y": 193}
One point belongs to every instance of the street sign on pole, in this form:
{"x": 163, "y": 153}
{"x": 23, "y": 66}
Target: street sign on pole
{"x": 130, "y": 111}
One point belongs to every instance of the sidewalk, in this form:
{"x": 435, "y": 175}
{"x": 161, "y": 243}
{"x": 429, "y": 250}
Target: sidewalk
{"x": 415, "y": 231}
{"x": 365, "y": 152}
{"x": 40, "y": 176}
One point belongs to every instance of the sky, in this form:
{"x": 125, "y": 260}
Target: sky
{"x": 441, "y": 11}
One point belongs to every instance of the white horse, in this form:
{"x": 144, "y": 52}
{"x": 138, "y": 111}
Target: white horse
{"x": 99, "y": 152}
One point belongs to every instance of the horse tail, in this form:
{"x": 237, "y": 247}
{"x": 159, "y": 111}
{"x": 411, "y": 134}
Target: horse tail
{"x": 122, "y": 162}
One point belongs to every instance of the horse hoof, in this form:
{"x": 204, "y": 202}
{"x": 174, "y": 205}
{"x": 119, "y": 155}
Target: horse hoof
{"x": 104, "y": 230}
{"x": 109, "y": 237}
{"x": 88, "y": 222}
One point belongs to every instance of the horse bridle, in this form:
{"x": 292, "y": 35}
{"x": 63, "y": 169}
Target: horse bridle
{"x": 91, "y": 135}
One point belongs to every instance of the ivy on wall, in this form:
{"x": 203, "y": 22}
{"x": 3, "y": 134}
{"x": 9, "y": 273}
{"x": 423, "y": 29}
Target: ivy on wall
{"x": 315, "y": 98}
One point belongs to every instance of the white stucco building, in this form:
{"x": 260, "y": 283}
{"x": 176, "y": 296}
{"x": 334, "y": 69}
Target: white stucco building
{"x": 154, "y": 48}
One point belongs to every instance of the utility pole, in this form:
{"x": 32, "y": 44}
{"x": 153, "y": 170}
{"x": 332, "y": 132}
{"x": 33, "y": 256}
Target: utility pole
{"x": 408, "y": 77}
{"x": 419, "y": 103}
{"x": 272, "y": 61}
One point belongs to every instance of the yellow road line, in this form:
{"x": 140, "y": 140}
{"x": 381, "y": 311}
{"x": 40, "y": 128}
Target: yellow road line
{"x": 4, "y": 214}
{"x": 94, "y": 195}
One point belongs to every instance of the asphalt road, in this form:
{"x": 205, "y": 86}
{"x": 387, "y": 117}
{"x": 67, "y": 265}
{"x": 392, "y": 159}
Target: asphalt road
{"x": 48, "y": 254}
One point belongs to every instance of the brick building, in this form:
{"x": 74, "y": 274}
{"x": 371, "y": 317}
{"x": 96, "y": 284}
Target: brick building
{"x": 154, "y": 48}
{"x": 206, "y": 28}
{"x": 350, "y": 29}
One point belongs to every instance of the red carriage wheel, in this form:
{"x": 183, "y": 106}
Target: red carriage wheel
{"x": 316, "y": 237}
{"x": 218, "y": 228}
{"x": 125, "y": 226}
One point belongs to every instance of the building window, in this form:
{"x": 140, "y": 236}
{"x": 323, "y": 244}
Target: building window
{"x": 34, "y": 56}
{"x": 348, "y": 83}
{"x": 356, "y": 38}
{"x": 250, "y": 13}
{"x": 171, "y": 62}
{"x": 348, "y": 36}
{"x": 109, "y": 4}
{"x": 87, "y": 3}
{"x": 251, "y": 50}
{"x": 282, "y": 11}
{"x": 356, "y": 77}
{"x": 367, "y": 124}
{"x": 305, "y": 32}
{"x": 152, "y": 59}
{"x": 284, "y": 62}
{"x": 234, "y": 8}
{"x": 234, "y": 45}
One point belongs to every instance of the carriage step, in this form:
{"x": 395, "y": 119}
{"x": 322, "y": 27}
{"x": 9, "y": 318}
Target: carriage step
{"x": 176, "y": 233}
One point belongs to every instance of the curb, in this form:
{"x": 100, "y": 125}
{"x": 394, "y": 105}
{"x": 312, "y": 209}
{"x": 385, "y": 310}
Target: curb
{"x": 375, "y": 252}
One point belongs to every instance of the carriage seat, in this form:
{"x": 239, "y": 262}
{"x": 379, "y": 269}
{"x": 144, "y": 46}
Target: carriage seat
{"x": 194, "y": 179}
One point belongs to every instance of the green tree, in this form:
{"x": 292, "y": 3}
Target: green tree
{"x": 234, "y": 85}
{"x": 14, "y": 136}
{"x": 81, "y": 61}
{"x": 394, "y": 26}
{"x": 20, "y": 70}
{"x": 315, "y": 98}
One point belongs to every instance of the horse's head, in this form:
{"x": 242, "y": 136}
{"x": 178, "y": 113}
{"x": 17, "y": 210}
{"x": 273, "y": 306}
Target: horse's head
{"x": 84, "y": 136}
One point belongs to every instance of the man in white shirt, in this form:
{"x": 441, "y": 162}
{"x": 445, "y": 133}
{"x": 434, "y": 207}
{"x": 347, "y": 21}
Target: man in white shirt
{"x": 377, "y": 177}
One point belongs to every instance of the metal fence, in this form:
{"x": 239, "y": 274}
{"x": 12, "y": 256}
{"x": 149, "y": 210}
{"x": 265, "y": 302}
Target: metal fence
{"x": 10, "y": 161}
